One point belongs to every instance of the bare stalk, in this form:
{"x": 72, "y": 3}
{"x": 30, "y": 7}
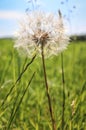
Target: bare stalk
{"x": 47, "y": 91}
{"x": 63, "y": 91}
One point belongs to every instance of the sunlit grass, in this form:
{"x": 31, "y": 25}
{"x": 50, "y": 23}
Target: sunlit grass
{"x": 33, "y": 110}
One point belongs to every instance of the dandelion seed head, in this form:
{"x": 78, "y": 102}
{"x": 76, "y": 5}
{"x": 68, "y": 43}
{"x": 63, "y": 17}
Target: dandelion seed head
{"x": 41, "y": 29}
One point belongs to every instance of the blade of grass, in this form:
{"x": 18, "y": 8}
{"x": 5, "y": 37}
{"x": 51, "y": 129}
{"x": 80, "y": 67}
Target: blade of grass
{"x": 5, "y": 71}
{"x": 14, "y": 104}
{"x": 83, "y": 88}
{"x": 9, "y": 125}
{"x": 17, "y": 80}
{"x": 24, "y": 63}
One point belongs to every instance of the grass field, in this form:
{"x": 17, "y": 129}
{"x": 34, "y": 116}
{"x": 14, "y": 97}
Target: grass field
{"x": 28, "y": 110}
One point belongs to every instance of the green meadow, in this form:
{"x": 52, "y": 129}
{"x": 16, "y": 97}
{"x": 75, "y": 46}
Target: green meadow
{"x": 23, "y": 100}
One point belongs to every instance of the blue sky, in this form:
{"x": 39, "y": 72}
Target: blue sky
{"x": 73, "y": 12}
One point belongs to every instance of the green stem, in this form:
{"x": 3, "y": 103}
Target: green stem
{"x": 47, "y": 91}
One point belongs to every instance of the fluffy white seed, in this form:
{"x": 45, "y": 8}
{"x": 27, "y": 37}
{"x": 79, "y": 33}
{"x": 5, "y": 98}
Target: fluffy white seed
{"x": 40, "y": 28}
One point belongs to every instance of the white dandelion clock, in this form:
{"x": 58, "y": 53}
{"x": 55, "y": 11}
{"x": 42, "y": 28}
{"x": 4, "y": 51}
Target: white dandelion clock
{"x": 42, "y": 34}
{"x": 40, "y": 29}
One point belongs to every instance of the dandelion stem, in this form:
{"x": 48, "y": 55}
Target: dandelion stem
{"x": 63, "y": 91}
{"x": 47, "y": 90}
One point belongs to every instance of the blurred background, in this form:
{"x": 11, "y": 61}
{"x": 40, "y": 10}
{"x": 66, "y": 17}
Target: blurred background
{"x": 73, "y": 11}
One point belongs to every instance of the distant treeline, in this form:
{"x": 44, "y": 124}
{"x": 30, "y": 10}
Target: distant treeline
{"x": 78, "y": 38}
{"x": 72, "y": 38}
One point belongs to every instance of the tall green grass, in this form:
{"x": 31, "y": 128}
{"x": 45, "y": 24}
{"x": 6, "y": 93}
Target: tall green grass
{"x": 28, "y": 110}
